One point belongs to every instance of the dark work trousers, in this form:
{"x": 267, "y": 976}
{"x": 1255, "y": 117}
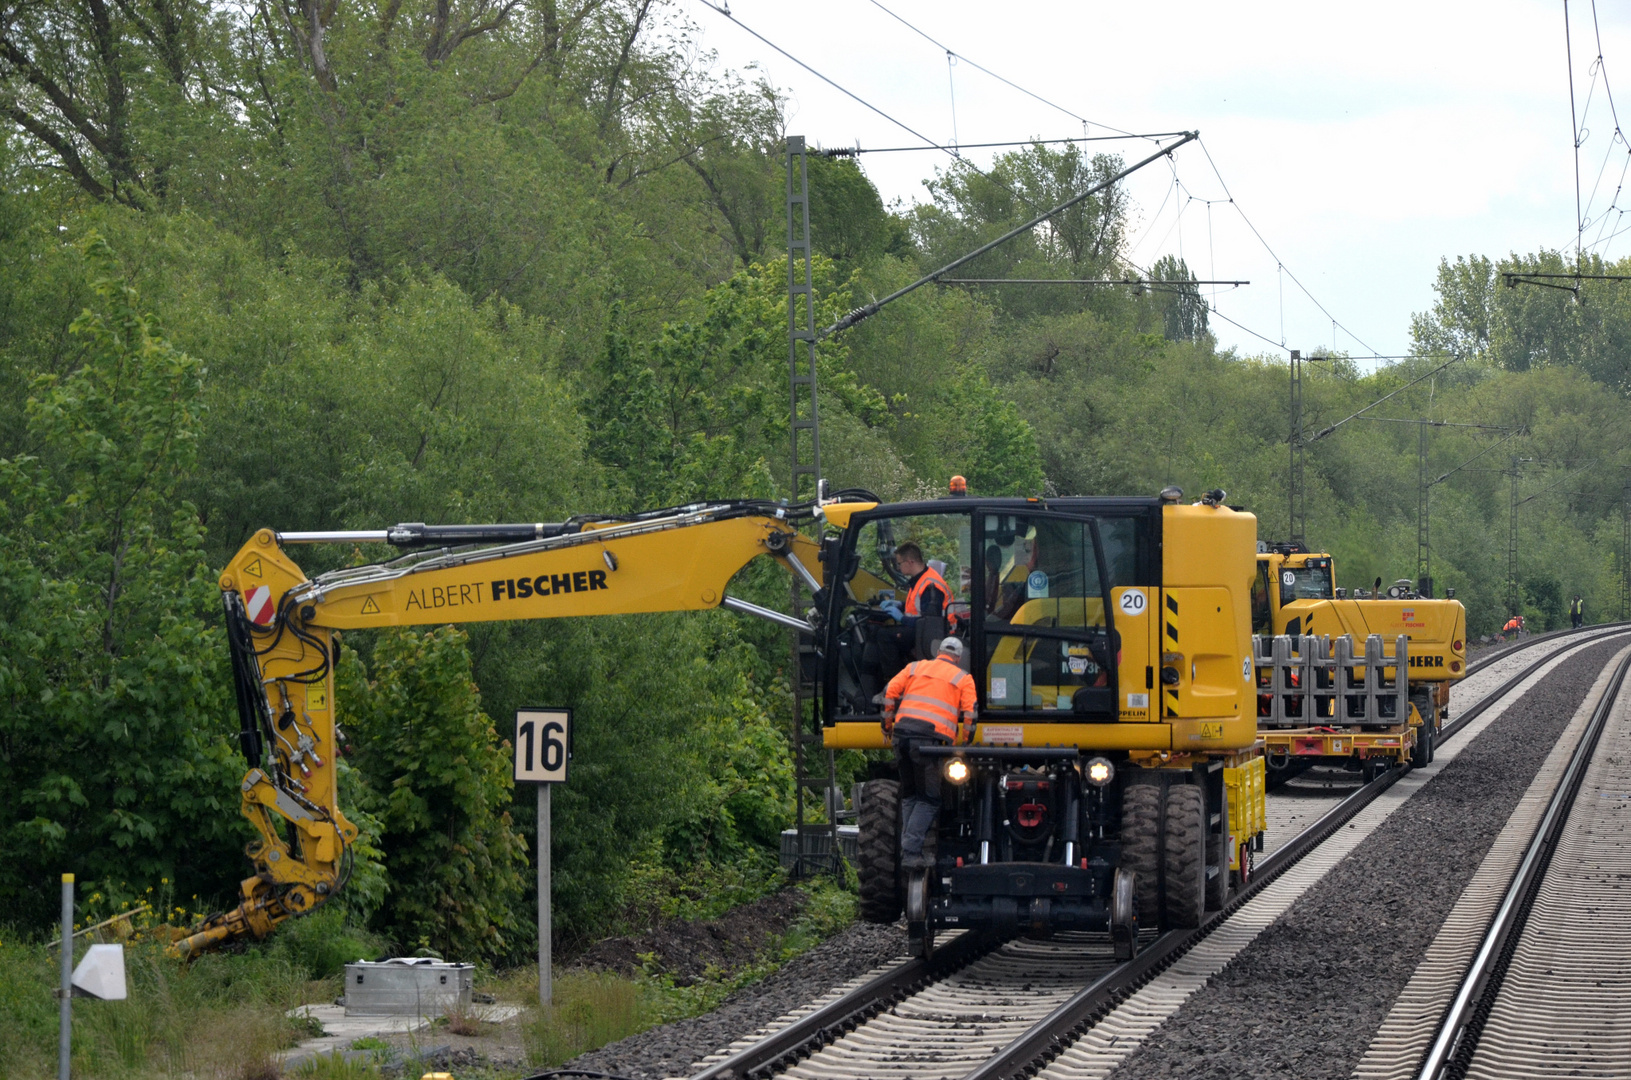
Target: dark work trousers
{"x": 1578, "y": 619}
{"x": 919, "y": 787}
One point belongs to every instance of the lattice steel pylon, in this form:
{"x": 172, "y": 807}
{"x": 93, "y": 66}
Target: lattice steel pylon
{"x": 1424, "y": 547}
{"x": 1297, "y": 497}
{"x": 1512, "y": 597}
{"x": 804, "y": 479}
{"x": 1625, "y": 550}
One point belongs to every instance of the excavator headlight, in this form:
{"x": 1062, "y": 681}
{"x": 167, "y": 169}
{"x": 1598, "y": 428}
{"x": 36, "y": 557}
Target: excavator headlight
{"x": 956, "y": 770}
{"x": 1099, "y": 771}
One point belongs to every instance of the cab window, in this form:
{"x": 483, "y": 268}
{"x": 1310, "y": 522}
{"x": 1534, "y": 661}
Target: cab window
{"x": 943, "y": 539}
{"x": 1309, "y": 582}
{"x": 1119, "y": 536}
{"x": 1046, "y": 634}
{"x": 872, "y": 643}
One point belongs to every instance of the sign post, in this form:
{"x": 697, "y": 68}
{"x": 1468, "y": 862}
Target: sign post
{"x": 543, "y": 748}
{"x": 66, "y": 1008}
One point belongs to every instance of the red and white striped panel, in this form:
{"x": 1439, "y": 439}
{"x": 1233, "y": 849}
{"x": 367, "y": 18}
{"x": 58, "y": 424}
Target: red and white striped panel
{"x": 259, "y": 605}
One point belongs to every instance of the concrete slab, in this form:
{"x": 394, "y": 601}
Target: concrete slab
{"x": 340, "y": 1030}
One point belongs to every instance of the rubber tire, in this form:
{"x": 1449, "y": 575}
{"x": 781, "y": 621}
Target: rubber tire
{"x": 1421, "y": 755}
{"x": 1183, "y": 854}
{"x": 1141, "y": 848}
{"x": 879, "y": 844}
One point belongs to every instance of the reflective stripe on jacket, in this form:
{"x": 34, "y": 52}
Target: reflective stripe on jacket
{"x": 914, "y": 599}
{"x": 937, "y": 692}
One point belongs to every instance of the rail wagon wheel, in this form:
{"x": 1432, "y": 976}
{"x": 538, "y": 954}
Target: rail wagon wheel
{"x": 1141, "y": 847}
{"x": 1243, "y": 876}
{"x": 1183, "y": 855}
{"x": 1217, "y": 854}
{"x": 1421, "y": 755}
{"x": 879, "y": 843}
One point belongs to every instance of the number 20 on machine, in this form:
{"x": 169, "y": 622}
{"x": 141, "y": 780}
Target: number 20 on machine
{"x": 543, "y": 745}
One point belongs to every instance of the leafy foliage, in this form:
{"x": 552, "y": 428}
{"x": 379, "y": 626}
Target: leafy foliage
{"x": 112, "y": 739}
{"x": 440, "y": 787}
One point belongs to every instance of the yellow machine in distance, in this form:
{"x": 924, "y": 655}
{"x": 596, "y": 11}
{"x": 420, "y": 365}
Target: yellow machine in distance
{"x": 1110, "y": 639}
{"x": 1294, "y": 592}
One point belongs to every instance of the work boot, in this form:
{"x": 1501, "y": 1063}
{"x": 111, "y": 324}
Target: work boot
{"x": 915, "y": 861}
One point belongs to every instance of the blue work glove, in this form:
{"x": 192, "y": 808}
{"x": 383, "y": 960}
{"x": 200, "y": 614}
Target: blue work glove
{"x": 893, "y": 609}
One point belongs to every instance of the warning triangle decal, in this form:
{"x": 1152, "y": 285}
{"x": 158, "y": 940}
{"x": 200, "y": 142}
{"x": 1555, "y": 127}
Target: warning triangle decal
{"x": 369, "y": 607}
{"x": 254, "y": 569}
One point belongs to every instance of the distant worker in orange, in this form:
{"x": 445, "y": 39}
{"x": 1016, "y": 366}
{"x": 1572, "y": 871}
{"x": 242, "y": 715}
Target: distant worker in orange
{"x": 1513, "y": 625}
{"x": 930, "y": 703}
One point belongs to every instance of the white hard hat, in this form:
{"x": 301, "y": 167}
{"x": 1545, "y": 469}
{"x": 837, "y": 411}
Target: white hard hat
{"x": 952, "y": 647}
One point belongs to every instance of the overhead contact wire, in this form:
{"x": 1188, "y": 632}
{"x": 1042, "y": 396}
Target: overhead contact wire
{"x": 1006, "y": 82}
{"x": 1266, "y": 247}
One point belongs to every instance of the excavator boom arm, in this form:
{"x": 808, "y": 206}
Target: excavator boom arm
{"x": 282, "y": 629}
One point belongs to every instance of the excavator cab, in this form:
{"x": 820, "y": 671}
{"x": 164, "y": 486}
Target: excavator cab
{"x": 1031, "y": 601}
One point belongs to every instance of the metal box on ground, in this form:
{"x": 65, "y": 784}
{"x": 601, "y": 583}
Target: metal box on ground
{"x": 819, "y": 846}
{"x": 407, "y": 985}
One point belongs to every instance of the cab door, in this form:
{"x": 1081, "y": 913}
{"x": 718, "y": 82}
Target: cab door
{"x": 1046, "y": 640}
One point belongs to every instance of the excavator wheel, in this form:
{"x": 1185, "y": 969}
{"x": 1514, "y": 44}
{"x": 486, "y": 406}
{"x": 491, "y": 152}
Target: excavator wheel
{"x": 1183, "y": 855}
{"x": 879, "y": 869}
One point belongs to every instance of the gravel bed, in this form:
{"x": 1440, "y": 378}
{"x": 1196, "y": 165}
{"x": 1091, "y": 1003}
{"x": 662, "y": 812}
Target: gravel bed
{"x": 1305, "y": 998}
{"x": 668, "y": 1050}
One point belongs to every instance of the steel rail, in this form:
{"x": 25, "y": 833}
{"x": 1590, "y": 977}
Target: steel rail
{"x": 1045, "y": 1039}
{"x": 1506, "y": 687}
{"x": 1052, "y": 1035}
{"x": 1462, "y": 1024}
{"x": 837, "y": 1018}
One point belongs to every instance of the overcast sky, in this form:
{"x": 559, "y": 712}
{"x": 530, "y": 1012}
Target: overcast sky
{"x": 1364, "y": 141}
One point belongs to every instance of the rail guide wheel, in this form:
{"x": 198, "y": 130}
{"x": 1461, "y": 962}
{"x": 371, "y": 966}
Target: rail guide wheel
{"x": 1124, "y": 915}
{"x": 919, "y": 935}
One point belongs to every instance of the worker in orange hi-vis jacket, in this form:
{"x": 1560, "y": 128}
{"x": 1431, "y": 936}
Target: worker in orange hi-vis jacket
{"x": 930, "y": 702}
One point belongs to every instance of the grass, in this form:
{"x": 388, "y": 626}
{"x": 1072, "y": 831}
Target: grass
{"x": 220, "y": 1018}
{"x": 223, "y": 1016}
{"x": 591, "y": 1009}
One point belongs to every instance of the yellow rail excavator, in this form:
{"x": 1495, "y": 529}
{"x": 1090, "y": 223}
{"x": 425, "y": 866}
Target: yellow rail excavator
{"x": 1295, "y": 596}
{"x": 1295, "y": 592}
{"x": 1114, "y": 775}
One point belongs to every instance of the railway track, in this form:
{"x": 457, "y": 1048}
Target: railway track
{"x": 983, "y": 1008}
{"x": 1523, "y": 979}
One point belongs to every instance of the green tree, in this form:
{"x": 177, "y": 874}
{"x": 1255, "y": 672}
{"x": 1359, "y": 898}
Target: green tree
{"x": 114, "y": 739}
{"x": 438, "y": 781}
